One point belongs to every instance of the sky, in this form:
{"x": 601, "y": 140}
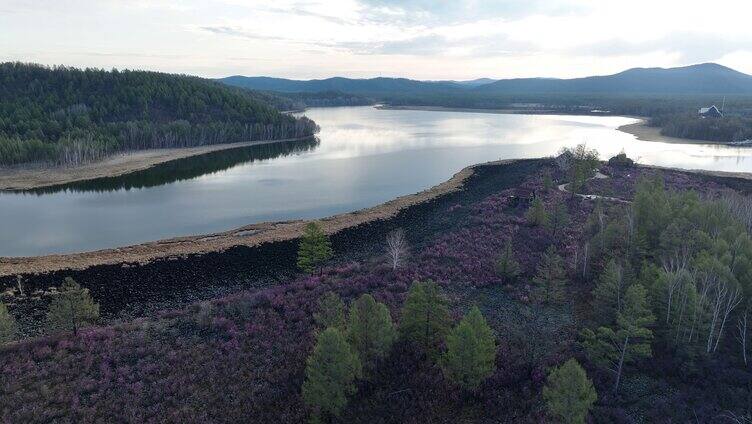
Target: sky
{"x": 420, "y": 39}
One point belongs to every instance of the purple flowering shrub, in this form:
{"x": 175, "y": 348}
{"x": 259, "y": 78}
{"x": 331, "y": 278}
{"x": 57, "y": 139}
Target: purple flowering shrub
{"x": 241, "y": 358}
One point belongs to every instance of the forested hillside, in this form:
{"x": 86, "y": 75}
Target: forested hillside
{"x": 71, "y": 116}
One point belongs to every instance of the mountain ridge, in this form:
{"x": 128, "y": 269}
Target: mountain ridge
{"x": 703, "y": 78}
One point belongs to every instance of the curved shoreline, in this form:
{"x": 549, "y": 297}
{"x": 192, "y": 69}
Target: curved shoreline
{"x": 644, "y": 132}
{"x": 260, "y": 233}
{"x": 14, "y": 179}
{"x": 249, "y": 235}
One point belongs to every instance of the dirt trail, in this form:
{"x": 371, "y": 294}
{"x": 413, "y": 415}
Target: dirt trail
{"x": 599, "y": 176}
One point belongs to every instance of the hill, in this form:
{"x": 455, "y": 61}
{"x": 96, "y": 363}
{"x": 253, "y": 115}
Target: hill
{"x": 345, "y": 85}
{"x": 70, "y": 116}
{"x": 706, "y": 78}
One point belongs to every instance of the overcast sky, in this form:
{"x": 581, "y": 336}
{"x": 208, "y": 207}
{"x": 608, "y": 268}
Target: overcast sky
{"x": 458, "y": 39}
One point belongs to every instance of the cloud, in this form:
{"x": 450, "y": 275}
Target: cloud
{"x": 457, "y": 11}
{"x": 438, "y": 45}
{"x": 240, "y": 32}
{"x": 691, "y": 47}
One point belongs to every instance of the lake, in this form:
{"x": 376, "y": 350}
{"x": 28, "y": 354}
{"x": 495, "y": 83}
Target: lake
{"x": 362, "y": 157}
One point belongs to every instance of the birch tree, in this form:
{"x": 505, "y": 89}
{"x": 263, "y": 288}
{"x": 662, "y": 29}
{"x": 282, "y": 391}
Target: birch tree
{"x": 397, "y": 248}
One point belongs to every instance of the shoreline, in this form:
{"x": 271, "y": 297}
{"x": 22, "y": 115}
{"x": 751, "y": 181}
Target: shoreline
{"x": 256, "y": 234}
{"x": 643, "y": 132}
{"x": 640, "y": 129}
{"x": 478, "y": 110}
{"x": 17, "y": 179}
{"x": 249, "y": 235}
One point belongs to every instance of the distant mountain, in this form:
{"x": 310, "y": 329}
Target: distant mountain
{"x": 476, "y": 82}
{"x": 706, "y": 78}
{"x": 343, "y": 85}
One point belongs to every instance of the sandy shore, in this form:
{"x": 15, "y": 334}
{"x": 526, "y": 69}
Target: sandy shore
{"x": 120, "y": 164}
{"x": 646, "y": 133}
{"x": 250, "y": 235}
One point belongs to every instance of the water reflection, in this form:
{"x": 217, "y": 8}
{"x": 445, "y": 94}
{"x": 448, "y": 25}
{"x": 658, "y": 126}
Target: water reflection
{"x": 186, "y": 169}
{"x": 365, "y": 157}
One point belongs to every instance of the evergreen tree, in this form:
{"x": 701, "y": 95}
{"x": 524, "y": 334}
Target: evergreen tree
{"x": 425, "y": 316}
{"x": 558, "y": 219}
{"x": 548, "y": 183}
{"x": 628, "y": 341}
{"x": 550, "y": 277}
{"x": 536, "y": 215}
{"x": 72, "y": 308}
{"x": 569, "y": 394}
{"x": 608, "y": 294}
{"x": 330, "y": 374}
{"x": 331, "y": 312}
{"x": 506, "y": 266}
{"x": 370, "y": 331}
{"x": 8, "y": 326}
{"x": 315, "y": 248}
{"x": 471, "y": 351}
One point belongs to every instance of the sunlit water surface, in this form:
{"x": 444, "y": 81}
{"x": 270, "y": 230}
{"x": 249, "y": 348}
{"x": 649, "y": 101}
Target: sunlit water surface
{"x": 363, "y": 156}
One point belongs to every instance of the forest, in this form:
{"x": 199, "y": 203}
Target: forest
{"x": 728, "y": 129}
{"x": 524, "y": 303}
{"x": 69, "y": 116}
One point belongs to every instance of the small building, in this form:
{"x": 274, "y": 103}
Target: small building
{"x": 710, "y": 112}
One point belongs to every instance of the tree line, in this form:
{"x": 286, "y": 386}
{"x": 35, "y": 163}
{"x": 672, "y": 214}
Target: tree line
{"x": 70, "y": 116}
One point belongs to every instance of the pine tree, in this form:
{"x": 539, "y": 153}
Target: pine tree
{"x": 72, "y": 308}
{"x": 471, "y": 351}
{"x": 315, "y": 248}
{"x": 506, "y": 266}
{"x": 331, "y": 312}
{"x": 548, "y": 183}
{"x": 608, "y": 295}
{"x": 536, "y": 215}
{"x": 628, "y": 341}
{"x": 558, "y": 219}
{"x": 370, "y": 331}
{"x": 8, "y": 326}
{"x": 550, "y": 277}
{"x": 425, "y": 317}
{"x": 330, "y": 374}
{"x": 569, "y": 394}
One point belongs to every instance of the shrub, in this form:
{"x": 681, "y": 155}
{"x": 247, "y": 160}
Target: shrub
{"x": 8, "y": 326}
{"x": 621, "y": 160}
{"x": 331, "y": 312}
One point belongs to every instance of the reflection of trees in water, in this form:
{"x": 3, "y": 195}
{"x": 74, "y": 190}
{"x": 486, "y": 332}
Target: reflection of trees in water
{"x": 187, "y": 168}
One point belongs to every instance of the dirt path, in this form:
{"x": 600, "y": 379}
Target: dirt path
{"x": 598, "y": 176}
{"x": 120, "y": 164}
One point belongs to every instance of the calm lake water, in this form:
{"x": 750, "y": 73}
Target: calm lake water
{"x": 362, "y": 157}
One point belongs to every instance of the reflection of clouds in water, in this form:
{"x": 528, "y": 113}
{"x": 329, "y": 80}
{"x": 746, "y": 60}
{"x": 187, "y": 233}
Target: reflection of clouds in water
{"x": 366, "y": 156}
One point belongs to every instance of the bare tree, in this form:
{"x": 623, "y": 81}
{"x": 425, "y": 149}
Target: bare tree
{"x": 742, "y": 329}
{"x": 397, "y": 248}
